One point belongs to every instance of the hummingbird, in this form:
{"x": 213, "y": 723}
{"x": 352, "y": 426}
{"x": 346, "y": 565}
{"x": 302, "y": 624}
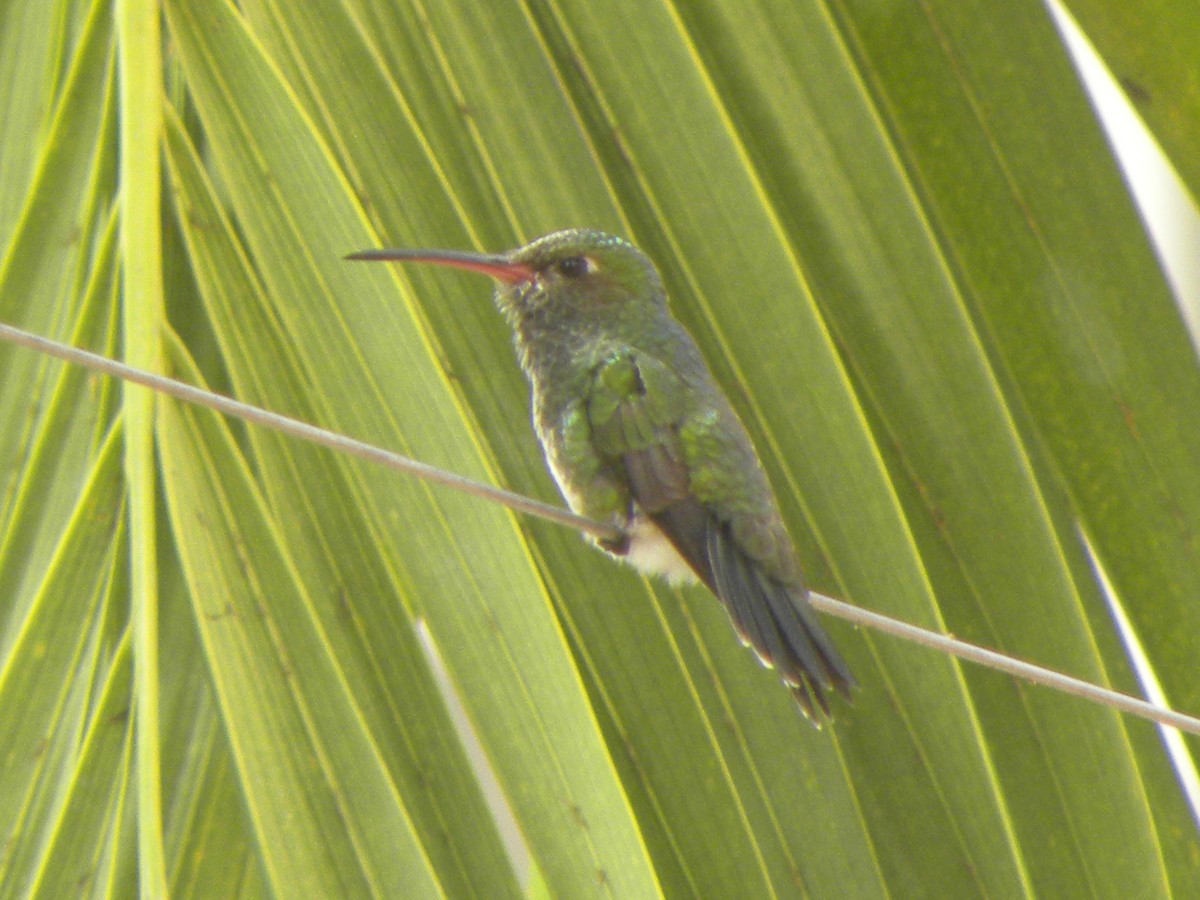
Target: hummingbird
{"x": 637, "y": 434}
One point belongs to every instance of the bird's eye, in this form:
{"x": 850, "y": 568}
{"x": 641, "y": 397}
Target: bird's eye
{"x": 574, "y": 266}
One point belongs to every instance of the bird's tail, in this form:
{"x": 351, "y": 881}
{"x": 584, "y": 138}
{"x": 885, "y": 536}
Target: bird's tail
{"x": 780, "y": 624}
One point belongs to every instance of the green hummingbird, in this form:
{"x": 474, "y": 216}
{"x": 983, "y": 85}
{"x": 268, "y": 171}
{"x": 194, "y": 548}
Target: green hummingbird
{"x": 637, "y": 434}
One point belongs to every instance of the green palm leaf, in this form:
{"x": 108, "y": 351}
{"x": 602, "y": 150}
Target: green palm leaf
{"x": 902, "y": 242}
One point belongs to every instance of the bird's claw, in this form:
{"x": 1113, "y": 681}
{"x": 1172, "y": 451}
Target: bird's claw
{"x": 618, "y": 546}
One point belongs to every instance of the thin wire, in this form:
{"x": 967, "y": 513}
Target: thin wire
{"x": 304, "y": 431}
{"x": 838, "y": 608}
{"x": 1003, "y": 663}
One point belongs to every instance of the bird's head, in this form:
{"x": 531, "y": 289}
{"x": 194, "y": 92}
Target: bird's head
{"x": 566, "y": 278}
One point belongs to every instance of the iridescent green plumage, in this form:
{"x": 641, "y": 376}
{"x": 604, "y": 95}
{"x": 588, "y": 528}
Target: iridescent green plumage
{"x": 638, "y": 434}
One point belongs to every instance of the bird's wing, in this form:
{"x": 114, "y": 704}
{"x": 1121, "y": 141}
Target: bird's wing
{"x": 636, "y": 411}
{"x": 635, "y": 408}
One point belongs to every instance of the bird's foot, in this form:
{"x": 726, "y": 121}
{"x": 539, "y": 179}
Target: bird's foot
{"x": 618, "y": 547}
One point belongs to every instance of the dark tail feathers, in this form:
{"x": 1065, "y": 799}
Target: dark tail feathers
{"x": 781, "y": 626}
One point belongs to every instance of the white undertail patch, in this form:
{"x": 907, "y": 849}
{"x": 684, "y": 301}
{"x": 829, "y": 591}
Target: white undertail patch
{"x": 650, "y": 551}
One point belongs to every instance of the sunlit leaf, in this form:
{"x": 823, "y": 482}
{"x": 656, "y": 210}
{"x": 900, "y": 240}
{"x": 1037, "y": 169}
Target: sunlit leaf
{"x": 903, "y": 245}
